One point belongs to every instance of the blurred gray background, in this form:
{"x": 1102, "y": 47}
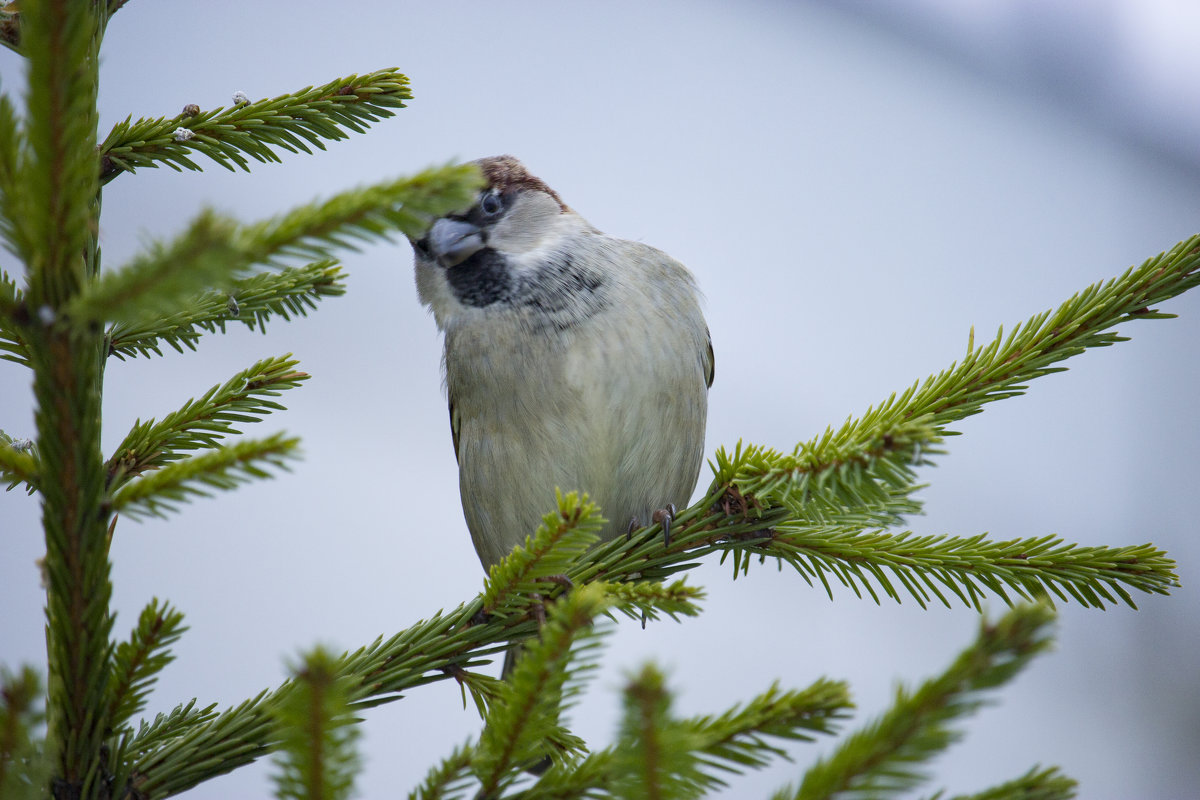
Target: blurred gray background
{"x": 854, "y": 185}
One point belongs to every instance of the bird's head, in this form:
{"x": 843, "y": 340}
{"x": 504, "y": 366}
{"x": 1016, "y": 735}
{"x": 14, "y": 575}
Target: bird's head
{"x": 515, "y": 243}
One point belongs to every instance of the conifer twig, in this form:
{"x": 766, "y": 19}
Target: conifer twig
{"x": 17, "y": 462}
{"x": 20, "y": 717}
{"x": 522, "y": 723}
{"x": 448, "y": 778}
{"x": 54, "y": 231}
{"x": 1039, "y": 783}
{"x": 871, "y": 457}
{"x": 12, "y": 345}
{"x": 137, "y": 662}
{"x": 219, "y": 468}
{"x": 317, "y": 756}
{"x": 214, "y": 252}
{"x": 293, "y": 122}
{"x": 731, "y": 742}
{"x": 163, "y": 729}
{"x": 156, "y": 282}
{"x": 203, "y": 423}
{"x": 11, "y": 144}
{"x": 884, "y": 758}
{"x": 252, "y": 302}
{"x": 10, "y": 23}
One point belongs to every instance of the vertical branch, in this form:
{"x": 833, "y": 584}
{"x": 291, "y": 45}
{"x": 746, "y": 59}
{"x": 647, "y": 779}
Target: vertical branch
{"x": 59, "y": 217}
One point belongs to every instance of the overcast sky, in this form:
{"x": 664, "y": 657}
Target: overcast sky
{"x": 853, "y": 191}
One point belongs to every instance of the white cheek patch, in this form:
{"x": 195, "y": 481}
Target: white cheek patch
{"x": 535, "y": 222}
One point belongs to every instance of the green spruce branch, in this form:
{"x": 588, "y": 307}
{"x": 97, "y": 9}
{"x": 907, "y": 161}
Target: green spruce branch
{"x": 12, "y": 151}
{"x": 18, "y": 462}
{"x": 137, "y": 661}
{"x": 886, "y": 757}
{"x": 53, "y": 229}
{"x": 22, "y": 753}
{"x": 166, "y": 765}
{"x": 442, "y": 647}
{"x": 253, "y": 301}
{"x": 1036, "y": 784}
{"x": 522, "y": 726}
{"x": 925, "y": 567}
{"x": 655, "y": 754}
{"x": 203, "y": 423}
{"x": 214, "y": 253}
{"x": 12, "y": 345}
{"x": 295, "y": 122}
{"x": 154, "y": 735}
{"x": 53, "y": 212}
{"x": 563, "y": 536}
{"x": 317, "y": 758}
{"x": 822, "y": 508}
{"x": 659, "y": 756}
{"x": 449, "y": 778}
{"x": 871, "y": 457}
{"x": 223, "y": 468}
{"x": 156, "y": 282}
{"x": 10, "y": 23}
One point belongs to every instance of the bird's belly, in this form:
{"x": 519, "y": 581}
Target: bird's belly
{"x": 631, "y": 457}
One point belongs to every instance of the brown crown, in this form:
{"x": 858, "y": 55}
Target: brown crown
{"x": 505, "y": 173}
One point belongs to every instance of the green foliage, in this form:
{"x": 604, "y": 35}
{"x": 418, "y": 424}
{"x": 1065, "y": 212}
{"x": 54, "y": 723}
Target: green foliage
{"x": 202, "y": 424}
{"x": 189, "y": 746}
{"x": 219, "y": 468}
{"x": 826, "y": 508}
{"x": 866, "y": 465}
{"x": 448, "y": 779}
{"x": 1036, "y": 784}
{"x": 52, "y": 213}
{"x": 560, "y": 539}
{"x": 358, "y": 216}
{"x": 660, "y": 756}
{"x": 655, "y": 754}
{"x": 215, "y": 253}
{"x": 885, "y": 758}
{"x": 11, "y": 144}
{"x": 53, "y": 203}
{"x": 293, "y": 122}
{"x": 18, "y": 462}
{"x": 523, "y": 724}
{"x": 317, "y": 759}
{"x": 966, "y": 567}
{"x": 157, "y": 282}
{"x": 12, "y": 348}
{"x": 252, "y": 301}
{"x": 137, "y": 662}
{"x": 172, "y": 727}
{"x": 23, "y": 767}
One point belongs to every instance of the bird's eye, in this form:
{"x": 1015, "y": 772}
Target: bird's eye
{"x": 491, "y": 204}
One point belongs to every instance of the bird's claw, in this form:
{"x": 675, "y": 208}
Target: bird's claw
{"x": 634, "y": 524}
{"x": 561, "y": 580}
{"x": 664, "y": 517}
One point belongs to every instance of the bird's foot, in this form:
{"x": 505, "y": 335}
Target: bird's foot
{"x": 634, "y": 524}
{"x": 665, "y": 516}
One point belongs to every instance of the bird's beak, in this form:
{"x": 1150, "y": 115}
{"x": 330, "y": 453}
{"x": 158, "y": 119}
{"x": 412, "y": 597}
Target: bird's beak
{"x": 452, "y": 241}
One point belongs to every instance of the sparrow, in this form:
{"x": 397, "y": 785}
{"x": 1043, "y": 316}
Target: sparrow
{"x": 573, "y": 360}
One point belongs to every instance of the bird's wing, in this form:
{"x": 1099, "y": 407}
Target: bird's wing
{"x": 710, "y": 368}
{"x": 456, "y": 424}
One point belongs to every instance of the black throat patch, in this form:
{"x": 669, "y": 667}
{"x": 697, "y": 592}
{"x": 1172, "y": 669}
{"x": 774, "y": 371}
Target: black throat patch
{"x": 559, "y": 295}
{"x": 482, "y": 280}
